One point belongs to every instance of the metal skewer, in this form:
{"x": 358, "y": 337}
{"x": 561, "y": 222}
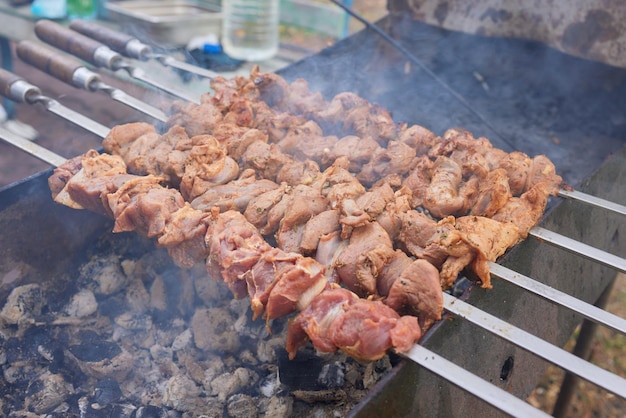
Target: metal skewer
{"x": 100, "y": 55}
{"x": 587, "y": 310}
{"x": 579, "y": 248}
{"x": 567, "y": 361}
{"x": 133, "y": 48}
{"x": 74, "y": 73}
{"x": 592, "y": 200}
{"x": 31, "y": 148}
{"x": 17, "y": 89}
{"x": 468, "y": 381}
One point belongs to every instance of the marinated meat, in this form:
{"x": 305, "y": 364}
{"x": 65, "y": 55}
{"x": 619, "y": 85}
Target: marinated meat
{"x": 184, "y": 236}
{"x": 142, "y": 204}
{"x": 338, "y": 319}
{"x": 361, "y": 261}
{"x": 242, "y": 169}
{"x": 489, "y": 238}
{"x": 234, "y": 195}
{"x": 441, "y": 197}
{"x": 493, "y": 194}
{"x": 414, "y": 289}
{"x": 319, "y": 226}
{"x": 196, "y": 119}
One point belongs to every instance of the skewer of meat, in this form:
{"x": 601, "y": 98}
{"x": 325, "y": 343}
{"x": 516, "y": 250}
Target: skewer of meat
{"x": 276, "y": 281}
{"x": 285, "y": 210}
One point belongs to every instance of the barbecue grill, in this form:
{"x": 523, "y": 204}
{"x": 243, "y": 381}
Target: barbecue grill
{"x": 538, "y": 101}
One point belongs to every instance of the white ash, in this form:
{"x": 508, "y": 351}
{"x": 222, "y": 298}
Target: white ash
{"x": 270, "y": 385}
{"x": 227, "y": 384}
{"x": 47, "y": 392}
{"x": 165, "y": 342}
{"x": 182, "y": 394}
{"x": 104, "y": 275}
{"x": 24, "y": 303}
{"x": 82, "y": 304}
{"x": 242, "y": 406}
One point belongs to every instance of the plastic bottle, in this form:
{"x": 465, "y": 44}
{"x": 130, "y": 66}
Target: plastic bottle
{"x": 82, "y": 9}
{"x": 49, "y": 9}
{"x": 250, "y": 29}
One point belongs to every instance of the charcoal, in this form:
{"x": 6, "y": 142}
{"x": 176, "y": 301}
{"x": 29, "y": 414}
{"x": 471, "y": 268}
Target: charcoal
{"x": 94, "y": 351}
{"x": 81, "y": 304}
{"x": 106, "y": 391}
{"x": 227, "y": 384}
{"x": 241, "y": 406}
{"x": 302, "y": 372}
{"x": 279, "y": 406}
{"x": 103, "y": 275}
{"x": 213, "y": 330}
{"x": 150, "y": 412}
{"x": 23, "y": 303}
{"x": 181, "y": 393}
{"x": 47, "y": 392}
{"x": 124, "y": 342}
{"x": 332, "y": 375}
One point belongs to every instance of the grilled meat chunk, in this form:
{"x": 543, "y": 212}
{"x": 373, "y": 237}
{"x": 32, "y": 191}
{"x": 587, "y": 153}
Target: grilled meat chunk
{"x": 339, "y": 319}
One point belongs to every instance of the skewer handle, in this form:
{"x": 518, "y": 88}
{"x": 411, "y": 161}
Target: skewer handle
{"x": 76, "y": 44}
{"x": 61, "y": 66}
{"x": 7, "y": 79}
{"x": 117, "y": 41}
{"x": 15, "y": 87}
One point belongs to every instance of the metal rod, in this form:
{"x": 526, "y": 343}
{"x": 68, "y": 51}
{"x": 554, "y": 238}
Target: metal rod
{"x": 181, "y": 65}
{"x": 590, "y": 372}
{"x": 71, "y": 116}
{"x": 579, "y": 248}
{"x": 587, "y": 310}
{"x": 582, "y": 349}
{"x": 473, "y": 384}
{"x": 122, "y": 97}
{"x": 140, "y": 75}
{"x": 31, "y": 148}
{"x": 592, "y": 200}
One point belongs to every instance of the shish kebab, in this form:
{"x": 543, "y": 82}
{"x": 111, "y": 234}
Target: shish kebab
{"x": 452, "y": 307}
{"x": 86, "y": 48}
{"x": 492, "y": 394}
{"x": 497, "y": 397}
